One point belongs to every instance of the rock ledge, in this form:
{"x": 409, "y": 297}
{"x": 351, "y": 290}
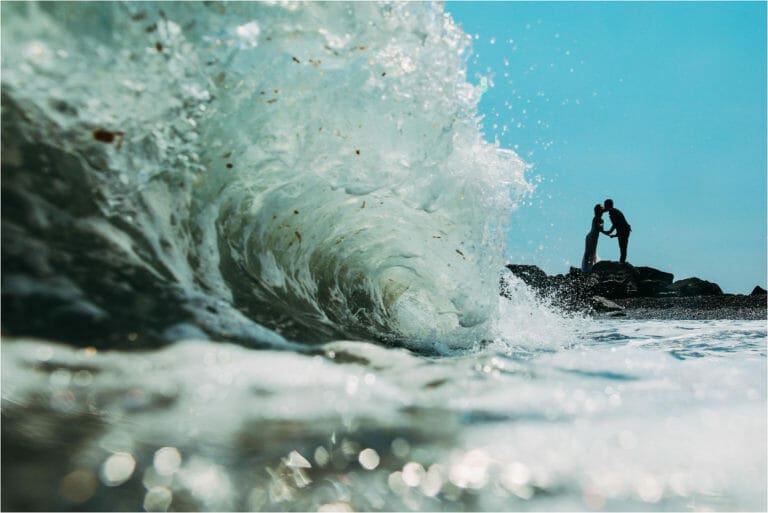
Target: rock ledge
{"x": 617, "y": 289}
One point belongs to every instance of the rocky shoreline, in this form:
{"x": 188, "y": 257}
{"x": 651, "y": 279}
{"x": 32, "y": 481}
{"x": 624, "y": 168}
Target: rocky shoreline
{"x": 614, "y": 289}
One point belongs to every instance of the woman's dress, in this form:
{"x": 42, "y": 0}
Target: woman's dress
{"x": 590, "y": 245}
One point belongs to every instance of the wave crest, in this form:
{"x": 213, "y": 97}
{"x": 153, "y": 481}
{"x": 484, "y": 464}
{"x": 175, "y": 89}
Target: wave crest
{"x": 316, "y": 162}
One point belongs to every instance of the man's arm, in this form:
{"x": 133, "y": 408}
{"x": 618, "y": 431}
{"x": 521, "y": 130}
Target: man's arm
{"x": 613, "y": 224}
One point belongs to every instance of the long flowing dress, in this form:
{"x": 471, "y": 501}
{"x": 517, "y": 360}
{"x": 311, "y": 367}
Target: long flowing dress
{"x": 590, "y": 245}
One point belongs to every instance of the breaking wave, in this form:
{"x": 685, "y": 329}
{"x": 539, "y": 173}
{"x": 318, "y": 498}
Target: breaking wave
{"x": 257, "y": 171}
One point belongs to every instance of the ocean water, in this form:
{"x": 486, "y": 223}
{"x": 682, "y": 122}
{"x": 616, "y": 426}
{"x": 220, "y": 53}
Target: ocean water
{"x": 251, "y": 261}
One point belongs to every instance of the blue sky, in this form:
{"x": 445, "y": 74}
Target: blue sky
{"x": 660, "y": 106}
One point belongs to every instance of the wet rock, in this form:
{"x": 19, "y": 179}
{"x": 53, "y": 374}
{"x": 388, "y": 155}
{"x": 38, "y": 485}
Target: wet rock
{"x": 654, "y": 283}
{"x": 571, "y": 291}
{"x": 614, "y": 280}
{"x": 649, "y": 273}
{"x": 758, "y": 291}
{"x": 640, "y": 292}
{"x": 530, "y": 274}
{"x": 611, "y": 288}
{"x": 651, "y": 288}
{"x": 696, "y": 287}
{"x": 616, "y": 271}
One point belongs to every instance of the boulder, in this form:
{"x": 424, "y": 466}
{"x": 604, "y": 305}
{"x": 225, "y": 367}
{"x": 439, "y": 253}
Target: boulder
{"x": 649, "y": 273}
{"x": 616, "y": 271}
{"x": 696, "y": 287}
{"x": 654, "y": 283}
{"x": 653, "y": 288}
{"x": 614, "y": 280}
{"x": 609, "y": 267}
{"x": 530, "y": 274}
{"x": 758, "y": 291}
{"x": 612, "y": 288}
{"x": 610, "y": 280}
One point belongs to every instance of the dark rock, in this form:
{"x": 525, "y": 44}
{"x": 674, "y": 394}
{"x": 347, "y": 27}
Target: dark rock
{"x": 610, "y": 288}
{"x": 614, "y": 289}
{"x": 649, "y": 273}
{"x": 601, "y": 304}
{"x": 758, "y": 291}
{"x": 653, "y": 288}
{"x": 654, "y": 283}
{"x": 614, "y": 280}
{"x": 609, "y": 270}
{"x": 571, "y": 291}
{"x": 696, "y": 287}
{"x": 530, "y": 274}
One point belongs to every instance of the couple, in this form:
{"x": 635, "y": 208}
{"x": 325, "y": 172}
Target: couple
{"x": 619, "y": 224}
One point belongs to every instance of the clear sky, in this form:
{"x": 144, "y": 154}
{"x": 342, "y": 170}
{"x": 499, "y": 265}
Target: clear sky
{"x": 659, "y": 106}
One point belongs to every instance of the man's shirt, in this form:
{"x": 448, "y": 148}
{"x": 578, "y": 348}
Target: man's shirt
{"x": 618, "y": 221}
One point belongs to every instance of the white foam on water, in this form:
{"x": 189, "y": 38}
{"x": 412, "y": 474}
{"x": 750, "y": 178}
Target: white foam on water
{"x": 612, "y": 421}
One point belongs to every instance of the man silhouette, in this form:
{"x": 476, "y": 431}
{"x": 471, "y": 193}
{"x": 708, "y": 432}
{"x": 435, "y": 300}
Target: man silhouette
{"x": 620, "y": 225}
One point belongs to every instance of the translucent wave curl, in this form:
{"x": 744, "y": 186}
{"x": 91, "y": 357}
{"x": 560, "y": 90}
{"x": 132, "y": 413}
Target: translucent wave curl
{"x": 321, "y": 161}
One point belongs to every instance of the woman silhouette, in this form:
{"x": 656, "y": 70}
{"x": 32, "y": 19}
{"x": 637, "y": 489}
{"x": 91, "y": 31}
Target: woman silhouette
{"x": 590, "y": 246}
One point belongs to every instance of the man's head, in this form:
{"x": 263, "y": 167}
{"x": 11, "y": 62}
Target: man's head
{"x": 608, "y": 204}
